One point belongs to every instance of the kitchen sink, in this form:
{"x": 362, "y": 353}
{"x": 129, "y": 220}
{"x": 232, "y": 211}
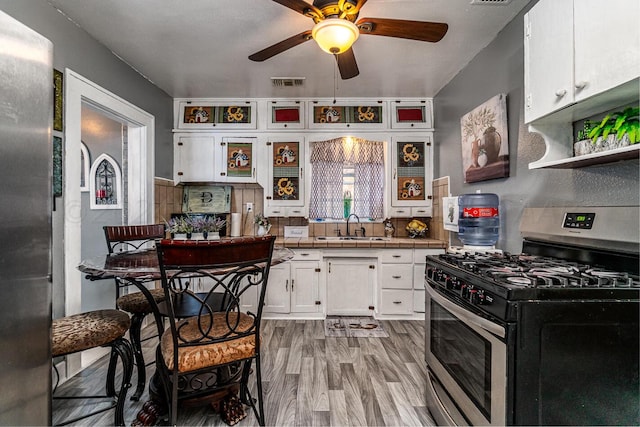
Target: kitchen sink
{"x": 374, "y": 238}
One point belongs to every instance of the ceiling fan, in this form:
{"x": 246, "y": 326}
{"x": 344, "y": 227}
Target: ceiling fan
{"x": 336, "y": 30}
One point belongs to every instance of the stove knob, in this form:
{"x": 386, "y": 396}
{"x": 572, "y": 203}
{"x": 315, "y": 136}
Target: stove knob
{"x": 450, "y": 282}
{"x": 464, "y": 290}
{"x": 473, "y": 296}
{"x": 481, "y": 297}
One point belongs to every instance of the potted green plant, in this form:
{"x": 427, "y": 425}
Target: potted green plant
{"x": 620, "y": 123}
{"x": 263, "y": 224}
{"x": 180, "y": 227}
{"x": 210, "y": 227}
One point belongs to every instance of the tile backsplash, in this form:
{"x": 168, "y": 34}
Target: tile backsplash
{"x": 169, "y": 200}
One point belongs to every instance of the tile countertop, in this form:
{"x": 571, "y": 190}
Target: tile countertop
{"x": 394, "y": 242}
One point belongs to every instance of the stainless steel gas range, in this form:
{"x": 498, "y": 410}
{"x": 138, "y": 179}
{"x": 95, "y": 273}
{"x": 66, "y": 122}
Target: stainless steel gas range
{"x": 546, "y": 337}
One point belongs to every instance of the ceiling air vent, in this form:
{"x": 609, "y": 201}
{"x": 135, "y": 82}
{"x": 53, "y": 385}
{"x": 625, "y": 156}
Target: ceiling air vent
{"x": 287, "y": 81}
{"x": 491, "y": 2}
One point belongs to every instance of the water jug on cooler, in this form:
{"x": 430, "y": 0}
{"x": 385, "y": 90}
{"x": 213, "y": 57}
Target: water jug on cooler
{"x": 479, "y": 221}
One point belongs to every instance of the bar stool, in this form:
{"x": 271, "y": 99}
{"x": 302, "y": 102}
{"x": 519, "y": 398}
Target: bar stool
{"x": 123, "y": 238}
{"x": 99, "y": 328}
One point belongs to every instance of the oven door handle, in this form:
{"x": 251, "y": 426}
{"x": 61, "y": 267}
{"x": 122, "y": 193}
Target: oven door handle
{"x": 465, "y": 315}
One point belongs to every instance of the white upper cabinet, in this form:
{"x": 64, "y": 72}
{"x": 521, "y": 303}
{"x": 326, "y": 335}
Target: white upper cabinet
{"x": 411, "y": 175}
{"x": 193, "y": 158}
{"x": 199, "y": 114}
{"x": 285, "y": 115}
{"x": 412, "y": 114}
{"x": 577, "y": 49}
{"x": 202, "y": 157}
{"x": 284, "y": 190}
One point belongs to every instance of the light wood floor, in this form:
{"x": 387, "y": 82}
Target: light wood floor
{"x": 308, "y": 380}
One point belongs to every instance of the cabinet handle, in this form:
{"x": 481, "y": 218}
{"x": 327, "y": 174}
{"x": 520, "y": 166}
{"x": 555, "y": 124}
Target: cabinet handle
{"x": 329, "y": 268}
{"x": 581, "y": 85}
{"x": 561, "y": 92}
{"x": 304, "y": 254}
{"x": 286, "y": 285}
{"x": 396, "y": 277}
{"x": 394, "y": 173}
{"x": 253, "y": 174}
{"x": 292, "y": 283}
{"x": 397, "y": 302}
{"x": 396, "y": 256}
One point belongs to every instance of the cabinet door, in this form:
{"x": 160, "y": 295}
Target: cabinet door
{"x": 350, "y": 285}
{"x": 238, "y": 157}
{"x": 607, "y": 45}
{"x": 194, "y": 158}
{"x": 285, "y": 186}
{"x": 277, "y": 298}
{"x": 412, "y": 173}
{"x": 305, "y": 279}
{"x": 286, "y": 115}
{"x": 548, "y": 52}
{"x": 416, "y": 114}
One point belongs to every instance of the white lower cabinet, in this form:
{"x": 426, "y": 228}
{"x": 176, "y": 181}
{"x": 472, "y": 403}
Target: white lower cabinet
{"x": 419, "y": 265}
{"x": 396, "y": 281}
{"x": 294, "y": 286}
{"x": 350, "y": 286}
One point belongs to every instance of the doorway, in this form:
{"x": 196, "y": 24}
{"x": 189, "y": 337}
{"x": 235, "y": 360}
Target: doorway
{"x": 139, "y": 163}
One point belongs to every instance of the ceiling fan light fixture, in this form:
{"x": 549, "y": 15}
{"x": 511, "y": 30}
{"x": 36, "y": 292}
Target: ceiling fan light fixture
{"x": 335, "y": 35}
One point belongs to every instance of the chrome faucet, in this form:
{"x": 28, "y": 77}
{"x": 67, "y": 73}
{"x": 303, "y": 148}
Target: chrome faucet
{"x": 361, "y": 228}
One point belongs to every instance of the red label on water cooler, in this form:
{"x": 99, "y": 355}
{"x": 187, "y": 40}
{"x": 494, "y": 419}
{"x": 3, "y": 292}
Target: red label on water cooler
{"x": 479, "y": 212}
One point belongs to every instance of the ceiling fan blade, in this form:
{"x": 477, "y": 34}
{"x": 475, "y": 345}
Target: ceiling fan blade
{"x": 347, "y": 64}
{"x": 281, "y": 46}
{"x": 414, "y": 30}
{"x": 300, "y": 6}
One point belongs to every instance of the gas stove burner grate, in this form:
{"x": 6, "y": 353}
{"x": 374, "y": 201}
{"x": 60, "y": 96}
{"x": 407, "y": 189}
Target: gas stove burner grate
{"x": 538, "y": 271}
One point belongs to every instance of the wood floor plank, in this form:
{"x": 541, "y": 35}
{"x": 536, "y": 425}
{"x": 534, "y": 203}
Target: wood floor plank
{"x": 295, "y": 353}
{"x": 407, "y": 413}
{"x": 354, "y": 397}
{"x": 385, "y": 400}
{"x": 304, "y": 398}
{"x": 339, "y": 415}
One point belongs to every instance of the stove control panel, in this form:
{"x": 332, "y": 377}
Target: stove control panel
{"x": 582, "y": 221}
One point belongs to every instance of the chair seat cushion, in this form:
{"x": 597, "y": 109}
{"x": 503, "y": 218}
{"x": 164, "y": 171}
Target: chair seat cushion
{"x": 87, "y": 330}
{"x": 136, "y": 302}
{"x": 208, "y": 354}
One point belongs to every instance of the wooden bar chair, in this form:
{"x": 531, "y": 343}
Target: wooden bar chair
{"x": 99, "y": 328}
{"x": 123, "y": 238}
{"x": 213, "y": 352}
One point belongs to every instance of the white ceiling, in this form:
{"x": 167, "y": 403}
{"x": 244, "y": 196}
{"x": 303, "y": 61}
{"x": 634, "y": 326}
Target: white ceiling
{"x": 193, "y": 48}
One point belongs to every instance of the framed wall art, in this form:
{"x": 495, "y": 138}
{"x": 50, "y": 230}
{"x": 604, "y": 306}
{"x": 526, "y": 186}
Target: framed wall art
{"x": 485, "y": 142}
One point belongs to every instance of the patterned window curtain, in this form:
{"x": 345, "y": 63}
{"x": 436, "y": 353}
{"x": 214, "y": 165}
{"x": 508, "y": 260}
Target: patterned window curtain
{"x": 328, "y": 159}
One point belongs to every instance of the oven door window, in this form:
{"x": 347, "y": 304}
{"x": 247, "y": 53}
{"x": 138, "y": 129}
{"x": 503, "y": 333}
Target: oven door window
{"x": 465, "y": 354}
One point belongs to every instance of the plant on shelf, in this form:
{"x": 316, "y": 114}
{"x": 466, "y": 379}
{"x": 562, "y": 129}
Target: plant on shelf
{"x": 208, "y": 225}
{"x": 263, "y": 224}
{"x": 625, "y": 122}
{"x": 180, "y": 225}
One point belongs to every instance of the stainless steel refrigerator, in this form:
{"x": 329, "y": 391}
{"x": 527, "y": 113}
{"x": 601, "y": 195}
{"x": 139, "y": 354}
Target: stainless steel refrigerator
{"x": 26, "y": 111}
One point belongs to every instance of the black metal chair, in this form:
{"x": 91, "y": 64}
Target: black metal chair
{"x": 99, "y": 328}
{"x": 214, "y": 351}
{"x": 123, "y": 238}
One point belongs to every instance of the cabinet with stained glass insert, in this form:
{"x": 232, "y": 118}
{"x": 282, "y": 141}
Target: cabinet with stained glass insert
{"x": 284, "y": 193}
{"x": 411, "y": 175}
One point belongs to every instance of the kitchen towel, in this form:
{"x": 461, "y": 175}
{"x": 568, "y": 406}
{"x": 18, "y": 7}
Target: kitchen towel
{"x": 236, "y": 222}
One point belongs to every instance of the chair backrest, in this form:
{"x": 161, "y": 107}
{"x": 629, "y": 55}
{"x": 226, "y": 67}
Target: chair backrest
{"x": 234, "y": 268}
{"x": 131, "y": 237}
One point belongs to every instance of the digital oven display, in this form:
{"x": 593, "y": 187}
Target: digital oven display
{"x": 579, "y": 220}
